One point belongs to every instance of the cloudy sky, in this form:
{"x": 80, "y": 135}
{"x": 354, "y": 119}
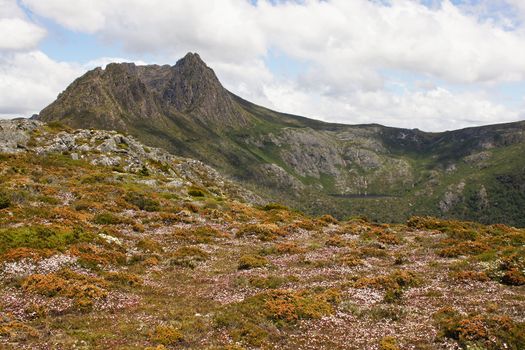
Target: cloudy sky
{"x": 428, "y": 64}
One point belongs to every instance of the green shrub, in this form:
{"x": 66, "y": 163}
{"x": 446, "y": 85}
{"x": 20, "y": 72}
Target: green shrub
{"x": 196, "y": 192}
{"x": 144, "y": 171}
{"x": 107, "y": 219}
{"x": 142, "y": 202}
{"x": 258, "y": 318}
{"x": 5, "y": 201}
{"x": 41, "y": 237}
{"x": 274, "y": 206}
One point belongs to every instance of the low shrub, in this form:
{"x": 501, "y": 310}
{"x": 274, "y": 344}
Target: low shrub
{"x": 201, "y": 234}
{"x": 513, "y": 277}
{"x": 42, "y": 237}
{"x": 188, "y": 257}
{"x": 124, "y": 278}
{"x": 149, "y": 245}
{"x": 15, "y": 254}
{"x": 68, "y": 284}
{"x": 93, "y": 257}
{"x": 457, "y": 248}
{"x": 388, "y": 343}
{"x": 247, "y": 262}
{"x": 17, "y": 331}
{"x": 336, "y": 241}
{"x": 275, "y": 206}
{"x": 196, "y": 192}
{"x": 258, "y": 318}
{"x": 142, "y": 202}
{"x": 486, "y": 331}
{"x": 471, "y": 275}
{"x": 288, "y": 248}
{"x": 399, "y": 279}
{"x": 264, "y": 232}
{"x": 167, "y": 335}
{"x": 328, "y": 219}
{"x": 107, "y": 219}
{"x": 270, "y": 282}
{"x": 5, "y": 201}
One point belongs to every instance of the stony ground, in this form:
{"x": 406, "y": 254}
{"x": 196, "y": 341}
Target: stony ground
{"x": 95, "y": 256}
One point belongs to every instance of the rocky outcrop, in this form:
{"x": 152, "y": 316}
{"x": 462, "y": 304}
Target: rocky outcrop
{"x": 452, "y": 196}
{"x": 15, "y": 134}
{"x": 112, "y": 149}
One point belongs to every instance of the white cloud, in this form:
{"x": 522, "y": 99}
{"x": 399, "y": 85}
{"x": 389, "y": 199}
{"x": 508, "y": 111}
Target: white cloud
{"x": 364, "y": 35}
{"x": 79, "y": 15}
{"x": 432, "y": 110}
{"x": 29, "y": 81}
{"x": 19, "y": 34}
{"x": 348, "y": 46}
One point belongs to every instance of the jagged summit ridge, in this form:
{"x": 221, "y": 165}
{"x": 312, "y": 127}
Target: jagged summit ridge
{"x": 108, "y": 98}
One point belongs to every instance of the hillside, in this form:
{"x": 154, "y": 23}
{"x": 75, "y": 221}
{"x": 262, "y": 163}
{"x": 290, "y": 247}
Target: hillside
{"x": 474, "y": 174}
{"x": 109, "y": 244}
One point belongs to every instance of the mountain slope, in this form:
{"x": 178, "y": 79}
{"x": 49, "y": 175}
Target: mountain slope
{"x": 108, "y": 244}
{"x": 473, "y": 173}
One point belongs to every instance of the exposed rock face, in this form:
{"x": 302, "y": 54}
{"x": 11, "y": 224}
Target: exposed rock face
{"x": 452, "y": 197}
{"x": 309, "y": 152}
{"x": 273, "y": 175}
{"x": 109, "y": 148}
{"x": 14, "y": 134}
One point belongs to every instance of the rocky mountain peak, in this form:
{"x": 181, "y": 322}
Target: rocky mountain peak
{"x": 193, "y": 86}
{"x": 191, "y": 59}
{"x": 125, "y": 93}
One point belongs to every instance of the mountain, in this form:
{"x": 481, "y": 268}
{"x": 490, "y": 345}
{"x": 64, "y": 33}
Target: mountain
{"x": 106, "y": 243}
{"x": 384, "y": 173}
